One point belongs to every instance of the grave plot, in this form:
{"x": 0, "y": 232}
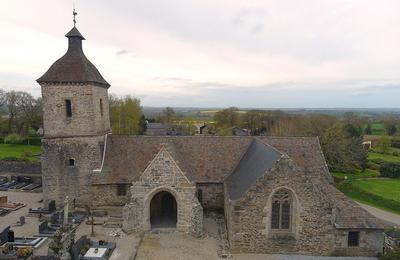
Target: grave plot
{"x": 85, "y": 248}
{"x": 51, "y": 207}
{"x": 5, "y": 204}
{"x": 23, "y": 181}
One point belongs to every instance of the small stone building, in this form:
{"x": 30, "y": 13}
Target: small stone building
{"x": 276, "y": 193}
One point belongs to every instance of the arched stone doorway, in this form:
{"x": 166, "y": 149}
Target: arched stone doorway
{"x": 163, "y": 210}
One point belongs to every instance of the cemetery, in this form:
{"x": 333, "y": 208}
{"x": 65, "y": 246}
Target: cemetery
{"x": 48, "y": 231}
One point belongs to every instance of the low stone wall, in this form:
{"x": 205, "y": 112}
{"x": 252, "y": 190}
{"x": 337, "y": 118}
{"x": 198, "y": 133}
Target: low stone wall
{"x": 211, "y": 195}
{"x": 20, "y": 167}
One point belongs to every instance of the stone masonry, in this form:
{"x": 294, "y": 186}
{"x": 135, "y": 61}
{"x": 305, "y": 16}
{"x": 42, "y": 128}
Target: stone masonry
{"x": 163, "y": 174}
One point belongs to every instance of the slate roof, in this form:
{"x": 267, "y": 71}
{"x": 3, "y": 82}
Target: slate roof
{"x": 155, "y": 126}
{"x": 258, "y": 159}
{"x": 73, "y": 67}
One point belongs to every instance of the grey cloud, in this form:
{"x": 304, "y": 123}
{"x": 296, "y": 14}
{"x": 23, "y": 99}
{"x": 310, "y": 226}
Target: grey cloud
{"x": 122, "y": 52}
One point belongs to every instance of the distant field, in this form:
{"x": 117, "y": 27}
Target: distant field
{"x": 378, "y": 129}
{"x": 17, "y": 151}
{"x": 385, "y": 157}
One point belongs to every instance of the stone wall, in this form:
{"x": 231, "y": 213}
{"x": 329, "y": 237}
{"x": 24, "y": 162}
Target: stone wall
{"x": 106, "y": 195}
{"x": 86, "y": 117}
{"x": 20, "y": 167}
{"x": 249, "y": 217}
{"x": 370, "y": 243}
{"x": 60, "y": 179}
{"x": 212, "y": 195}
{"x": 163, "y": 174}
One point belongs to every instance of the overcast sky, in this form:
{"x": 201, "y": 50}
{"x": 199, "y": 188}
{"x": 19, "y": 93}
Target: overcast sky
{"x": 216, "y": 53}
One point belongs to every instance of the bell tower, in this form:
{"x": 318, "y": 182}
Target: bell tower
{"x": 75, "y": 122}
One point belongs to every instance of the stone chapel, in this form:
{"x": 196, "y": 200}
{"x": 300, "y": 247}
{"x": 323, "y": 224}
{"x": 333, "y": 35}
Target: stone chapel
{"x": 276, "y": 193}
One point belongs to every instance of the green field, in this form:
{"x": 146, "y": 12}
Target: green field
{"x": 380, "y": 193}
{"x": 386, "y": 188}
{"x": 385, "y": 157}
{"x": 378, "y": 129}
{"x": 368, "y": 173}
{"x": 8, "y": 151}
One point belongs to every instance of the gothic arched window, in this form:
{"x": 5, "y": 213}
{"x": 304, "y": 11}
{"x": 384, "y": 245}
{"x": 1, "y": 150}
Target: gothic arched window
{"x": 281, "y": 210}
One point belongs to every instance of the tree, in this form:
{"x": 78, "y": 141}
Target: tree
{"x": 368, "y": 129}
{"x": 167, "y": 116}
{"x": 125, "y": 115}
{"x": 341, "y": 152}
{"x": 227, "y": 117}
{"x": 384, "y": 144}
{"x": 390, "y": 125}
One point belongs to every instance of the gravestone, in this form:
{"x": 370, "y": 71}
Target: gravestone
{"x": 4, "y": 235}
{"x": 52, "y": 206}
{"x": 21, "y": 220}
{"x": 43, "y": 227}
{"x": 10, "y": 236}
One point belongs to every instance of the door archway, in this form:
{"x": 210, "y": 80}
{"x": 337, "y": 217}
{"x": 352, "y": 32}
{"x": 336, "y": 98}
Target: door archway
{"x": 163, "y": 210}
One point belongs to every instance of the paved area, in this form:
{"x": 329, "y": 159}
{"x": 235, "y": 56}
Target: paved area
{"x": 296, "y": 257}
{"x": 175, "y": 246}
{"x": 388, "y": 217}
{"x": 156, "y": 246}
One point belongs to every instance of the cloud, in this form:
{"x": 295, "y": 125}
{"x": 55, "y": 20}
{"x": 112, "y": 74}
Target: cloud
{"x": 215, "y": 53}
{"x": 122, "y": 52}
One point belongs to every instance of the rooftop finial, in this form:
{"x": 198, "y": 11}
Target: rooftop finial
{"x": 74, "y": 14}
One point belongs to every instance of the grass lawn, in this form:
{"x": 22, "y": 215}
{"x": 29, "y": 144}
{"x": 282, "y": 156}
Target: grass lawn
{"x": 381, "y": 193}
{"x": 17, "y": 150}
{"x": 386, "y": 188}
{"x": 368, "y": 173}
{"x": 385, "y": 157}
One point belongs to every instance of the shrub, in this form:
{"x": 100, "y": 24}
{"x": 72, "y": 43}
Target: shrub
{"x": 395, "y": 153}
{"x": 390, "y": 170}
{"x": 396, "y": 142}
{"x": 14, "y": 139}
{"x": 338, "y": 179}
{"x": 378, "y": 161}
{"x": 373, "y": 166}
{"x": 25, "y": 155}
{"x": 11, "y": 158}
{"x": 393, "y": 255}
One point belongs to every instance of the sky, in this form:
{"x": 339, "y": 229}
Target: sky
{"x": 216, "y": 53}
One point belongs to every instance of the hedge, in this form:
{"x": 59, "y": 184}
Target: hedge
{"x": 390, "y": 170}
{"x": 396, "y": 143}
{"x": 27, "y": 140}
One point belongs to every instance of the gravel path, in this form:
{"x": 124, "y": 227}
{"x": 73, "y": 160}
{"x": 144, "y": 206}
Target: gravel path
{"x": 388, "y": 217}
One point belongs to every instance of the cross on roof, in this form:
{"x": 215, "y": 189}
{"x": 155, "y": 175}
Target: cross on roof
{"x": 74, "y": 14}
